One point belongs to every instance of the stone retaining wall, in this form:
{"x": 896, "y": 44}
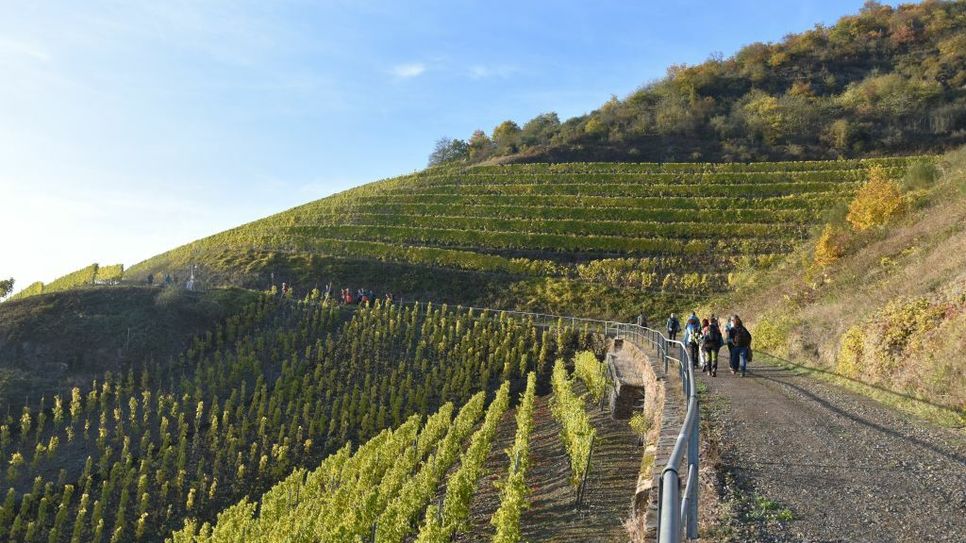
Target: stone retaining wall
{"x": 665, "y": 406}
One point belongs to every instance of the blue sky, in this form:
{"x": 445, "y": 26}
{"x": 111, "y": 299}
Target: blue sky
{"x": 128, "y": 128}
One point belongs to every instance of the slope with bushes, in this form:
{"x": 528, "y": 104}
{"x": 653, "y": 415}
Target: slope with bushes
{"x": 64, "y": 339}
{"x": 877, "y": 301}
{"x": 887, "y": 80}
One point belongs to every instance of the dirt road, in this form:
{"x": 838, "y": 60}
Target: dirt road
{"x": 842, "y": 467}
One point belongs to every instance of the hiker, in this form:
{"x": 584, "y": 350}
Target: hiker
{"x": 673, "y": 327}
{"x": 710, "y": 345}
{"x": 692, "y": 338}
{"x": 742, "y": 349}
{"x": 730, "y": 340}
{"x": 694, "y": 321}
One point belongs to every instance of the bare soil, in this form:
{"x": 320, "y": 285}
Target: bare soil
{"x": 553, "y": 516}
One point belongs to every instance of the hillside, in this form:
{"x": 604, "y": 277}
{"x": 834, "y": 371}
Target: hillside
{"x": 885, "y": 312}
{"x": 52, "y": 342}
{"x": 588, "y": 239}
{"x": 883, "y": 81}
{"x": 277, "y": 386}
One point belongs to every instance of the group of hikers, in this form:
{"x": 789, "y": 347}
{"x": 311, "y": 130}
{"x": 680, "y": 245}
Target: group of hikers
{"x": 361, "y": 296}
{"x": 704, "y": 339}
{"x": 347, "y": 296}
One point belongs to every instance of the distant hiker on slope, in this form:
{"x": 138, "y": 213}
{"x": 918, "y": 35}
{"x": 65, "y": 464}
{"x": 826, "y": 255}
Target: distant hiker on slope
{"x": 711, "y": 341}
{"x": 673, "y": 327}
{"x": 741, "y": 353}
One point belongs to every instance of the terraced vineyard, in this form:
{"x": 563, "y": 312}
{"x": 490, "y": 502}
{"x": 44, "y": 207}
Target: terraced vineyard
{"x": 273, "y": 389}
{"x": 437, "y": 479}
{"x": 538, "y": 236}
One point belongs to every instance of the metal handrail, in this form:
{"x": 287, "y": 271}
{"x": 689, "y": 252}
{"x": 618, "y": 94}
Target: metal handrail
{"x": 675, "y": 511}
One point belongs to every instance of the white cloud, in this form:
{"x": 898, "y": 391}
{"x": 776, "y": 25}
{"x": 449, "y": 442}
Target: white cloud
{"x": 15, "y": 48}
{"x": 480, "y": 71}
{"x": 408, "y": 70}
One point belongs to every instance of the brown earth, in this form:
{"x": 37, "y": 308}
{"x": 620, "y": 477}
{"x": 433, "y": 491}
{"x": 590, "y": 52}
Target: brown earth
{"x": 553, "y": 516}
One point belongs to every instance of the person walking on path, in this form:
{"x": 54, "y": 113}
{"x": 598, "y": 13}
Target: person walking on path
{"x": 729, "y": 340}
{"x": 742, "y": 348}
{"x": 673, "y": 327}
{"x": 711, "y": 341}
{"x": 694, "y": 321}
{"x": 692, "y": 338}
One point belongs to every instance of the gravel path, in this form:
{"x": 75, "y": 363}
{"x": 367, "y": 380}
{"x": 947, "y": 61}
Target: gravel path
{"x": 845, "y": 467}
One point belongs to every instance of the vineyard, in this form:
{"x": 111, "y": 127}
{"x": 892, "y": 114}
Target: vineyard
{"x": 83, "y": 277}
{"x": 279, "y": 387}
{"x": 421, "y": 481}
{"x": 539, "y": 236}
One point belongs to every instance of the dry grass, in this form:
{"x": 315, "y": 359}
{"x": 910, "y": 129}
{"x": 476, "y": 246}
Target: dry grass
{"x": 806, "y": 309}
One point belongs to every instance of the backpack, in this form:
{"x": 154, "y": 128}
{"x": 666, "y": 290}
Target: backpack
{"x": 742, "y": 337}
{"x": 712, "y": 340}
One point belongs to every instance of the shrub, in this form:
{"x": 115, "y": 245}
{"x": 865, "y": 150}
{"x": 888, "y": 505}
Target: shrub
{"x": 876, "y": 202}
{"x": 849, "y": 357}
{"x": 641, "y": 424}
{"x": 831, "y": 245}
{"x": 921, "y": 174}
{"x": 771, "y": 333}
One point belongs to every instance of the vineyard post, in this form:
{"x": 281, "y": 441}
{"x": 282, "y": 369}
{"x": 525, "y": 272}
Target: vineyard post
{"x": 583, "y": 480}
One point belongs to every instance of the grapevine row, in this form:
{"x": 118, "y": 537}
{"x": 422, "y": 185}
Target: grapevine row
{"x": 576, "y": 432}
{"x": 513, "y": 494}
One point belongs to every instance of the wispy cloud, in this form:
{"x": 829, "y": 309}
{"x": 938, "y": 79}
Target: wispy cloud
{"x": 9, "y": 47}
{"x": 481, "y": 71}
{"x": 408, "y": 70}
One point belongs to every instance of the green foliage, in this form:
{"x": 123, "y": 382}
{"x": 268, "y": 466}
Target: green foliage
{"x": 876, "y": 202}
{"x": 32, "y": 289}
{"x": 886, "y": 80}
{"x": 920, "y": 175}
{"x": 279, "y": 386}
{"x": 576, "y": 432}
{"x": 550, "y": 237}
{"x": 761, "y": 508}
{"x": 448, "y": 150}
{"x": 591, "y": 371}
{"x": 831, "y": 245}
{"x": 514, "y": 490}
{"x": 109, "y": 274}
{"x": 6, "y": 287}
{"x": 772, "y": 332}
{"x": 79, "y": 278}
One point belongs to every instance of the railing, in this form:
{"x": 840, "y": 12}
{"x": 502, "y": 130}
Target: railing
{"x": 674, "y": 511}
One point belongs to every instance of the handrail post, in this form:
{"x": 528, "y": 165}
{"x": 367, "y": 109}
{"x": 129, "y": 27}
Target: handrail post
{"x": 670, "y": 501}
{"x": 693, "y": 456}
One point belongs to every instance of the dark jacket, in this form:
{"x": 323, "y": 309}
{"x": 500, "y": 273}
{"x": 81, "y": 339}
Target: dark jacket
{"x": 711, "y": 339}
{"x": 673, "y": 325}
{"x": 741, "y": 336}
